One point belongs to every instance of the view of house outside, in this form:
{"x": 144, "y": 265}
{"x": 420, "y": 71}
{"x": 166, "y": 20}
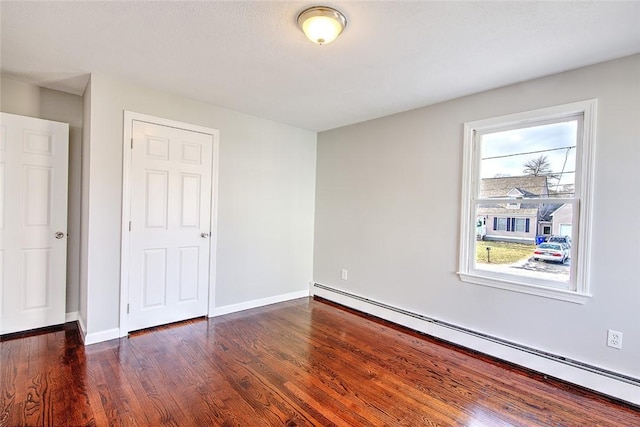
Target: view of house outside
{"x": 530, "y": 233}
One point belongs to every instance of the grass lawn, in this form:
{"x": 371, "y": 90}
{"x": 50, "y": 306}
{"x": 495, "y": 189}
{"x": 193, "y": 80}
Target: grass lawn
{"x": 503, "y": 252}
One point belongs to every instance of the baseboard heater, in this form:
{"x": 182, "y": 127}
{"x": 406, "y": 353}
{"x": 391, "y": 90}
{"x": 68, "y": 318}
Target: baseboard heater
{"x": 533, "y": 351}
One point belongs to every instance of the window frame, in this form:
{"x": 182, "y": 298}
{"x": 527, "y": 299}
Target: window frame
{"x": 582, "y": 202}
{"x": 522, "y": 221}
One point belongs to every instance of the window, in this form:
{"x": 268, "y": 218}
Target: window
{"x": 520, "y": 225}
{"x": 544, "y": 160}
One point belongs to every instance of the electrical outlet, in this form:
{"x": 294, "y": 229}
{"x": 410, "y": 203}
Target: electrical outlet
{"x": 344, "y": 274}
{"x": 614, "y": 339}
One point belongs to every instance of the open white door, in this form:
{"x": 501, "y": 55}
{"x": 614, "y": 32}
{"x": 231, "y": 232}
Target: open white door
{"x": 170, "y": 224}
{"x": 33, "y": 222}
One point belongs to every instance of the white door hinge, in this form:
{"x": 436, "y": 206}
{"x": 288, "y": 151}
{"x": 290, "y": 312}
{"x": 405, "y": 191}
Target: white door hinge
{"x": 127, "y": 308}
{"x": 129, "y": 225}
{"x": 132, "y": 143}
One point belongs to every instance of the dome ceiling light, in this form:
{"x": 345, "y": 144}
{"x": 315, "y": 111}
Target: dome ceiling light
{"x": 321, "y": 24}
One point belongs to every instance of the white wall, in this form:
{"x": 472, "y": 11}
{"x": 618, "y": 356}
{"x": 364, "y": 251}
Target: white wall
{"x": 388, "y": 210}
{"x": 28, "y": 100}
{"x": 265, "y": 194}
{"x": 83, "y": 292}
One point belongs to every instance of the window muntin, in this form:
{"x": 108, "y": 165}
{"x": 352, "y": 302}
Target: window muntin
{"x": 528, "y": 177}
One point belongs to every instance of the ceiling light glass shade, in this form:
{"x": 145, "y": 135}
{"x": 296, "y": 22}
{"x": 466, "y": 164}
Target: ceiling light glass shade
{"x": 322, "y": 24}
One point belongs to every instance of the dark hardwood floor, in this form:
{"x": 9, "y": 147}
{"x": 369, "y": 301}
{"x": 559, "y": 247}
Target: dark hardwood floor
{"x": 300, "y": 363}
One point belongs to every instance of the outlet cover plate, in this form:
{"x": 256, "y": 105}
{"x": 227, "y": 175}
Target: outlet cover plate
{"x": 614, "y": 339}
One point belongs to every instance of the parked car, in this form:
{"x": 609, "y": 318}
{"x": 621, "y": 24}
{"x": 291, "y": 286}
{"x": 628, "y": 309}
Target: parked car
{"x": 552, "y": 251}
{"x": 559, "y": 239}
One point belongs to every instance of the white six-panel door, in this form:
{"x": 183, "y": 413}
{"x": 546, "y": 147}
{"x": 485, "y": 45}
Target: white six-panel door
{"x": 170, "y": 190}
{"x": 33, "y": 222}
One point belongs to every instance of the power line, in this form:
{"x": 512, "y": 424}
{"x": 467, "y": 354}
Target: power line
{"x": 529, "y": 152}
{"x": 566, "y": 156}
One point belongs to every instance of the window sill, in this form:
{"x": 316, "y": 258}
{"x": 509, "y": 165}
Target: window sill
{"x": 526, "y": 288}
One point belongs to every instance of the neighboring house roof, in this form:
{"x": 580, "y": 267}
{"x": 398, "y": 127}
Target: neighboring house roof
{"x": 528, "y": 185}
{"x": 526, "y": 193}
{"x": 516, "y": 192}
{"x": 493, "y": 210}
{"x": 522, "y": 187}
{"x": 544, "y": 212}
{"x": 547, "y": 211}
{"x": 558, "y": 208}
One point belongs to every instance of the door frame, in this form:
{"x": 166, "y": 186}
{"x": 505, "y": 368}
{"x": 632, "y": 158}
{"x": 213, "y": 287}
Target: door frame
{"x": 129, "y": 118}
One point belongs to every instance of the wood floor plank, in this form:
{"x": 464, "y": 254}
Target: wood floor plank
{"x": 9, "y": 356}
{"x": 375, "y": 370}
{"x": 300, "y": 363}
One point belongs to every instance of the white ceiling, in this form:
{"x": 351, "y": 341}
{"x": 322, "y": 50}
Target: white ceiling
{"x": 250, "y": 56}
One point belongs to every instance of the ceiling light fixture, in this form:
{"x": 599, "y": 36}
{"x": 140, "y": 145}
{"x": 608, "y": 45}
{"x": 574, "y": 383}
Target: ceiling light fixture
{"x": 322, "y": 24}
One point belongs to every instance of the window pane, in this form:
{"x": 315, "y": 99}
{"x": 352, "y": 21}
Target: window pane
{"x": 531, "y": 161}
{"x": 508, "y": 242}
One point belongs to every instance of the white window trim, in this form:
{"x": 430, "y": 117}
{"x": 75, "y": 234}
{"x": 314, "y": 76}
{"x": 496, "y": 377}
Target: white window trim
{"x": 582, "y": 217}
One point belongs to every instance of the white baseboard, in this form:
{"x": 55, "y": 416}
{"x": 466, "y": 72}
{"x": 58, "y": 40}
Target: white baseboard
{"x": 110, "y": 334}
{"x": 71, "y": 317}
{"x": 619, "y": 388}
{"x": 96, "y": 337}
{"x": 83, "y": 329}
{"x": 227, "y": 309}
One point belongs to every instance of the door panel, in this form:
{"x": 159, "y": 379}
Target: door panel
{"x": 190, "y": 203}
{"x": 33, "y": 208}
{"x": 188, "y": 268}
{"x": 35, "y": 276}
{"x": 37, "y": 196}
{"x": 156, "y": 198}
{"x": 171, "y": 172}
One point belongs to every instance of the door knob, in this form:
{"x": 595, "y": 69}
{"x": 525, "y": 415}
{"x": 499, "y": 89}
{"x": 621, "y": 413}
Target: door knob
{"x": 59, "y": 235}
{"x": 204, "y": 235}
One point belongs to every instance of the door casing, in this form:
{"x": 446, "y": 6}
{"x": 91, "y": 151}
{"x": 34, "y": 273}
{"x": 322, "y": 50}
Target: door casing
{"x": 129, "y": 118}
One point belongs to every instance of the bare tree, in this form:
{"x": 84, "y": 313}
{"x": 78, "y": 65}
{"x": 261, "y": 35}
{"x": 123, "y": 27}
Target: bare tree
{"x": 539, "y": 167}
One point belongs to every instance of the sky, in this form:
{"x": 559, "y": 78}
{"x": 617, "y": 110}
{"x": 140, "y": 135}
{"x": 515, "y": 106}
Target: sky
{"x": 505, "y": 153}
